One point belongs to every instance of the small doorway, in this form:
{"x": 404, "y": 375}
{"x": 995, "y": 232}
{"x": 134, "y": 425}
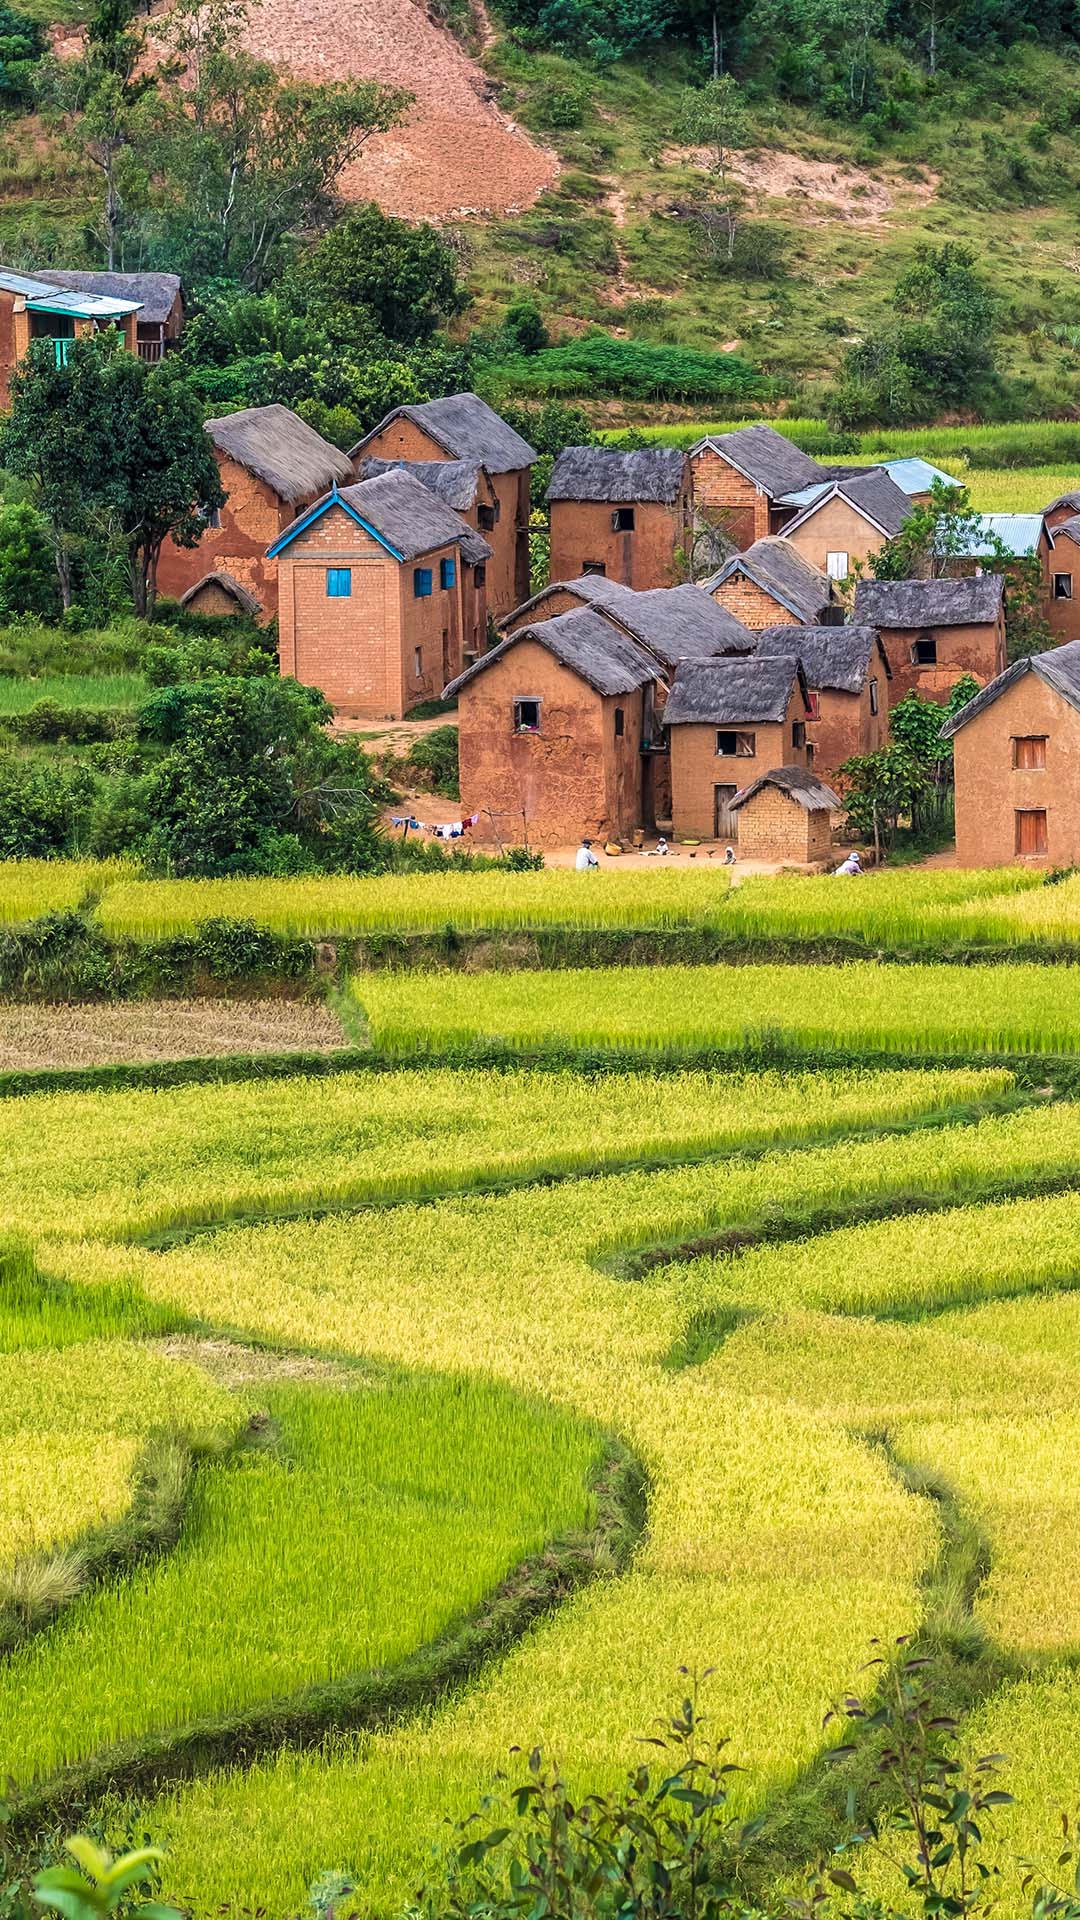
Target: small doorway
{"x": 447, "y": 663}
{"x": 725, "y": 823}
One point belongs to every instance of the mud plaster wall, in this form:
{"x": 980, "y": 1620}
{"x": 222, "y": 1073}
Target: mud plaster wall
{"x": 989, "y": 789}
{"x": 251, "y": 519}
{"x": 697, "y": 769}
{"x": 583, "y": 538}
{"x": 574, "y": 777}
{"x": 846, "y": 726}
{"x": 978, "y": 650}
{"x": 836, "y": 528}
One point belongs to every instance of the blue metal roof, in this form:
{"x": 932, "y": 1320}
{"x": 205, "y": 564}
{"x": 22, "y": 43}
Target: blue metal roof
{"x": 914, "y": 475}
{"x": 805, "y": 496}
{"x": 1020, "y": 533}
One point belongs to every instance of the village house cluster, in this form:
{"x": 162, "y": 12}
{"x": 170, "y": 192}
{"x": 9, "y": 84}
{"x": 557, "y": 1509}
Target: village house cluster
{"x": 616, "y": 699}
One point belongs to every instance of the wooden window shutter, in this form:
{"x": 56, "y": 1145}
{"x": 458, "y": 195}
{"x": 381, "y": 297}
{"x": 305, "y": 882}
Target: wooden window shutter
{"x": 1031, "y": 830}
{"x": 1029, "y": 752}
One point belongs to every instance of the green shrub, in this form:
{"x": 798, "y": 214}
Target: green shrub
{"x": 40, "y": 809}
{"x": 599, "y": 364}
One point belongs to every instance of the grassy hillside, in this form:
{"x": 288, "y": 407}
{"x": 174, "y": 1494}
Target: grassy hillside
{"x": 609, "y": 248}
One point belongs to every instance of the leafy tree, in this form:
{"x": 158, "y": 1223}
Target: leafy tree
{"x": 162, "y": 478}
{"x": 405, "y": 277}
{"x": 100, "y": 102}
{"x": 911, "y": 778}
{"x": 935, "y": 534}
{"x": 250, "y": 782}
{"x": 524, "y": 327}
{"x": 714, "y": 116}
{"x": 936, "y": 351}
{"x": 22, "y": 43}
{"x": 719, "y": 23}
{"x": 59, "y": 438}
{"x": 245, "y": 157}
{"x": 27, "y": 571}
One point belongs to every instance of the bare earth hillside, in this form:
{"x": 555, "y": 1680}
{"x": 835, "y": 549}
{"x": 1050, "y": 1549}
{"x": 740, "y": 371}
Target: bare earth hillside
{"x": 456, "y": 153}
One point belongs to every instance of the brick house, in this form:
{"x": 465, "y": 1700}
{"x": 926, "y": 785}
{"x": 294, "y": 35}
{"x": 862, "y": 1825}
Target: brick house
{"x": 552, "y": 723}
{"x": 272, "y": 466}
{"x": 1061, "y": 577}
{"x": 730, "y": 721}
{"x": 379, "y": 597}
{"x": 34, "y": 308}
{"x": 461, "y": 485}
{"x": 462, "y": 427}
{"x": 1016, "y": 762}
{"x": 219, "y": 593}
{"x": 672, "y": 623}
{"x": 933, "y": 631}
{"x": 848, "y": 520}
{"x": 739, "y": 482}
{"x": 619, "y": 514}
{"x": 772, "y": 583}
{"x": 786, "y": 814}
{"x": 159, "y": 321}
{"x": 848, "y": 673}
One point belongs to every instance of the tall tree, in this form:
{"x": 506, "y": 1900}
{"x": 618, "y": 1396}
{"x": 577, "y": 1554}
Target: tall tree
{"x": 59, "y": 438}
{"x": 162, "y": 478}
{"x": 99, "y": 102}
{"x": 714, "y": 117}
{"x": 246, "y": 157}
{"x": 404, "y": 276}
{"x": 935, "y": 535}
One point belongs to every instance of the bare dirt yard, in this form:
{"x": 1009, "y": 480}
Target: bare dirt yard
{"x": 34, "y": 1037}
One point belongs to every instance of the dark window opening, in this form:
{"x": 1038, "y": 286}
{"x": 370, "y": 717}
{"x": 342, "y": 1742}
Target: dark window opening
{"x": 623, "y": 520}
{"x": 526, "y": 716}
{"x": 1029, "y": 752}
{"x": 1031, "y": 830}
{"x": 798, "y": 734}
{"x": 485, "y": 518}
{"x": 620, "y": 723}
{"x": 593, "y": 566}
{"x": 873, "y": 696}
{"x": 1063, "y": 586}
{"x": 924, "y": 652}
{"x": 479, "y": 576}
{"x": 737, "y": 746}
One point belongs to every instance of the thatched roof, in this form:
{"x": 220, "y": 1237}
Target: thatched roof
{"x": 1064, "y": 500}
{"x": 835, "y": 659}
{"x": 278, "y": 447}
{"x": 246, "y": 601}
{"x": 766, "y": 457}
{"x": 466, "y": 428}
{"x": 156, "y": 293}
{"x": 401, "y": 512}
{"x": 1058, "y": 668}
{"x": 583, "y": 640}
{"x": 618, "y": 475}
{"x": 1067, "y": 529}
{"x": 674, "y": 623}
{"x": 910, "y": 604}
{"x": 454, "y": 482}
{"x": 734, "y": 693}
{"x": 781, "y": 571}
{"x": 799, "y": 784}
{"x": 872, "y": 494}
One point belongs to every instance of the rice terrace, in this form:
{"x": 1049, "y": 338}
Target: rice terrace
{"x": 434, "y": 1370}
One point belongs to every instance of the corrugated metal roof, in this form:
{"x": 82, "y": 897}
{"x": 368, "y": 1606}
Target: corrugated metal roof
{"x": 913, "y": 474}
{"x": 1019, "y": 532}
{"x": 43, "y": 298}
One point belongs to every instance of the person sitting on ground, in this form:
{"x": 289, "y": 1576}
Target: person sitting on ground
{"x": 851, "y": 865}
{"x": 586, "y": 858}
{"x": 729, "y": 856}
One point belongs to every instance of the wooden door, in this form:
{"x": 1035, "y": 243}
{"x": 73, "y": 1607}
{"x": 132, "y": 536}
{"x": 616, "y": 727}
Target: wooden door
{"x": 725, "y": 823}
{"x": 1031, "y": 830}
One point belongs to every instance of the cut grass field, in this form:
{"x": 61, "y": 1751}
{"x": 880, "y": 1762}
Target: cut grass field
{"x": 36, "y": 1036}
{"x": 95, "y": 690}
{"x": 859, "y": 1009}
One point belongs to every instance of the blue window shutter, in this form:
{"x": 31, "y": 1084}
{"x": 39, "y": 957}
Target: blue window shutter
{"x": 447, "y": 573}
{"x": 421, "y": 582}
{"x": 339, "y": 583}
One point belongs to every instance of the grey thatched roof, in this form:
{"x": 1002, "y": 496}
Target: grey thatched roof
{"x": 618, "y": 474}
{"x": 872, "y": 494}
{"x": 835, "y": 659}
{"x": 156, "y": 292}
{"x": 245, "y": 601}
{"x": 277, "y": 446}
{"x": 803, "y": 786}
{"x": 454, "y": 482}
{"x": 766, "y": 457}
{"x": 780, "y": 570}
{"x": 1064, "y": 500}
{"x": 733, "y": 693}
{"x": 586, "y": 642}
{"x": 466, "y": 428}
{"x": 1070, "y": 529}
{"x": 404, "y": 514}
{"x": 908, "y": 604}
{"x": 674, "y": 623}
{"x": 1058, "y": 668}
